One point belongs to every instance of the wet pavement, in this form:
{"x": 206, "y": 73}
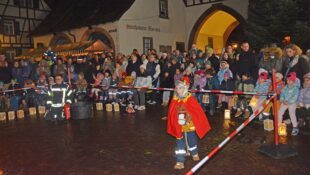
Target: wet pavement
{"x": 120, "y": 143}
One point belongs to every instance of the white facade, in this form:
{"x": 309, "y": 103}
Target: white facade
{"x": 142, "y": 21}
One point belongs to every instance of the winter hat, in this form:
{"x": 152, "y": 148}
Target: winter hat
{"x": 292, "y": 76}
{"x": 307, "y": 75}
{"x": 200, "y": 72}
{"x": 261, "y": 70}
{"x": 263, "y": 75}
{"x": 124, "y": 74}
{"x": 184, "y": 82}
{"x": 143, "y": 66}
{"x": 279, "y": 76}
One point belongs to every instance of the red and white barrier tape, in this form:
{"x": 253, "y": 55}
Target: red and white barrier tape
{"x": 243, "y": 125}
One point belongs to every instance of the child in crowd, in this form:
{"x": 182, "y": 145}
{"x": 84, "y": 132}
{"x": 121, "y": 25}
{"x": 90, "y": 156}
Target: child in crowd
{"x": 279, "y": 85}
{"x": 96, "y": 87}
{"x": 124, "y": 94}
{"x": 41, "y": 90}
{"x": 262, "y": 87}
{"x": 51, "y": 81}
{"x": 304, "y": 100}
{"x": 200, "y": 81}
{"x": 246, "y": 85}
{"x": 212, "y": 84}
{"x": 178, "y": 75}
{"x": 166, "y": 82}
{"x": 81, "y": 87}
{"x": 3, "y": 99}
{"x": 227, "y": 85}
{"x": 224, "y": 71}
{"x": 288, "y": 98}
{"x": 15, "y": 96}
{"x": 105, "y": 84}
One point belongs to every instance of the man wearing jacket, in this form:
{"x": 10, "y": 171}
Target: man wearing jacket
{"x": 58, "y": 95}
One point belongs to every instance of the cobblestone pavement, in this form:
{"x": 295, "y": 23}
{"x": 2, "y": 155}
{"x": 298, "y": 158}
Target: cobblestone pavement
{"x": 119, "y": 143}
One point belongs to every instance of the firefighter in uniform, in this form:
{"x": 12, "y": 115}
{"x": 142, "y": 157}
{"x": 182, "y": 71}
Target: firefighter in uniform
{"x": 59, "y": 94}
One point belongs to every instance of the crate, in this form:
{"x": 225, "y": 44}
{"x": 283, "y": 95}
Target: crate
{"x": 99, "y": 106}
{"x": 33, "y": 111}
{"x": 268, "y": 125}
{"x": 11, "y": 115}
{"x": 20, "y": 114}
{"x": 42, "y": 110}
{"x": 109, "y": 107}
{"x": 2, "y": 116}
{"x": 116, "y": 107}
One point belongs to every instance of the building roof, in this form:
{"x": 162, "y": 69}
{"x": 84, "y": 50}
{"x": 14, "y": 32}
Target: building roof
{"x": 70, "y": 14}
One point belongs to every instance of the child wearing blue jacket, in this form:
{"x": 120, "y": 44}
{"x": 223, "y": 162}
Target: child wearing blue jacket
{"x": 288, "y": 99}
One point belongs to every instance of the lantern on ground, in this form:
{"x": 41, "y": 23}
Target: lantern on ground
{"x": 2, "y": 116}
{"x": 282, "y": 129}
{"x": 227, "y": 114}
{"x": 33, "y": 111}
{"x": 268, "y": 125}
{"x": 108, "y": 107}
{"x": 20, "y": 114}
{"x": 99, "y": 106}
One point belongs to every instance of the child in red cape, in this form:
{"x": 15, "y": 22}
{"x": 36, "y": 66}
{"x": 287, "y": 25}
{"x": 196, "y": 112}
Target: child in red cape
{"x": 186, "y": 120}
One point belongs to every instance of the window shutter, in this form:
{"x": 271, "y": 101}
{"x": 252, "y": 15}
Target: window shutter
{"x": 16, "y": 27}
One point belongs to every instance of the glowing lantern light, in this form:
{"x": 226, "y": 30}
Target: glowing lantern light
{"x": 282, "y": 129}
{"x": 268, "y": 125}
{"x": 227, "y": 114}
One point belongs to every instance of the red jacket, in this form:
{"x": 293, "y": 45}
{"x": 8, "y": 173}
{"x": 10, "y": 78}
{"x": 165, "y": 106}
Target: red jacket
{"x": 193, "y": 108}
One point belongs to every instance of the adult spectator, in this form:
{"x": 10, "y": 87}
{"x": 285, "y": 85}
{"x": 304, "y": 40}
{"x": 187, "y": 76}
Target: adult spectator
{"x": 272, "y": 59}
{"x": 246, "y": 61}
{"x": 60, "y": 68}
{"x": 133, "y": 64}
{"x": 5, "y": 72}
{"x": 294, "y": 62}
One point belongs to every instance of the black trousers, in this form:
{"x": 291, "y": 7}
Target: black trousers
{"x": 55, "y": 113}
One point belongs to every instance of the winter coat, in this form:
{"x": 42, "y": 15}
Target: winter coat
{"x": 17, "y": 74}
{"x": 222, "y": 72}
{"x": 143, "y": 80}
{"x": 212, "y": 83}
{"x": 133, "y": 67}
{"x": 246, "y": 86}
{"x": 297, "y": 64}
{"x": 199, "y": 82}
{"x": 290, "y": 94}
{"x": 246, "y": 64}
{"x": 106, "y": 82}
{"x": 262, "y": 88}
{"x": 227, "y": 85}
{"x": 304, "y": 96}
{"x": 269, "y": 64}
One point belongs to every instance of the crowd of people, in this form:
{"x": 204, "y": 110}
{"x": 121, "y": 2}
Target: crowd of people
{"x": 103, "y": 77}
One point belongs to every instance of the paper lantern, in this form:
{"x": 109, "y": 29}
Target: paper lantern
{"x": 32, "y": 111}
{"x": 11, "y": 115}
{"x": 254, "y": 101}
{"x": 227, "y": 114}
{"x": 116, "y": 107}
{"x": 2, "y": 116}
{"x": 20, "y": 114}
{"x": 232, "y": 101}
{"x": 99, "y": 106}
{"x": 206, "y": 99}
{"x": 42, "y": 110}
{"x": 282, "y": 129}
{"x": 108, "y": 107}
{"x": 268, "y": 125}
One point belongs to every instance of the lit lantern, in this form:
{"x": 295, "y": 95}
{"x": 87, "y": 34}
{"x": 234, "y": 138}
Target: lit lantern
{"x": 99, "y": 106}
{"x": 254, "y": 101}
{"x": 205, "y": 99}
{"x": 41, "y": 110}
{"x": 282, "y": 129}
{"x": 116, "y": 107}
{"x": 268, "y": 125}
{"x": 11, "y": 115}
{"x": 108, "y": 107}
{"x": 33, "y": 111}
{"x": 20, "y": 114}
{"x": 2, "y": 116}
{"x": 227, "y": 114}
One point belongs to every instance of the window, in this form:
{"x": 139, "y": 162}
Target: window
{"x": 27, "y": 3}
{"x": 147, "y": 44}
{"x": 165, "y": 49}
{"x": 163, "y": 8}
{"x": 11, "y": 54}
{"x": 8, "y": 26}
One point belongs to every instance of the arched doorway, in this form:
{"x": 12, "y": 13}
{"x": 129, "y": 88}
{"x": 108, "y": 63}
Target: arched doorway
{"x": 99, "y": 34}
{"x": 60, "y": 39}
{"x": 215, "y": 27}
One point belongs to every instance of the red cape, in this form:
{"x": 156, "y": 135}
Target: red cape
{"x": 193, "y": 108}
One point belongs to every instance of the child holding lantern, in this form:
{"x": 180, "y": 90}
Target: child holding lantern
{"x": 288, "y": 99}
{"x": 186, "y": 120}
